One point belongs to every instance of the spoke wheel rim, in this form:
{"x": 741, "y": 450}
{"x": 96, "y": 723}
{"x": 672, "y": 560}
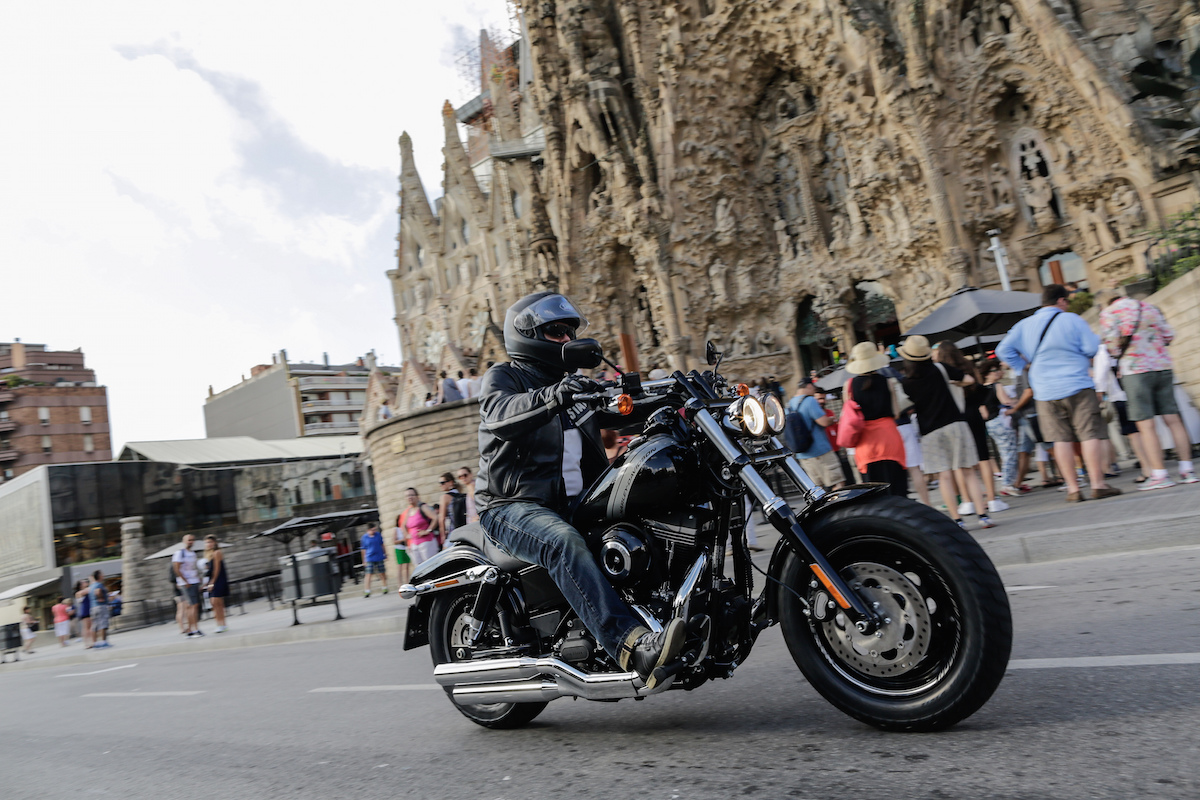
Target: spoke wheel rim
{"x": 460, "y": 646}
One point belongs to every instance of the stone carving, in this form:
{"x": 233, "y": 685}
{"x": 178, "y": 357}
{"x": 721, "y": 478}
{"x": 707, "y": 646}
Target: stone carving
{"x": 1127, "y": 211}
{"x": 718, "y": 277}
{"x": 1038, "y": 194}
{"x": 726, "y": 222}
{"x": 1001, "y": 186}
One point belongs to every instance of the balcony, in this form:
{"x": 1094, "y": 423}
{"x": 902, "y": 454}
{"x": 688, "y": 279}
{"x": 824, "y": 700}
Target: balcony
{"x": 13, "y": 455}
{"x": 6, "y": 396}
{"x": 329, "y": 405}
{"x": 334, "y": 382}
{"x": 317, "y": 428}
{"x": 7, "y": 425}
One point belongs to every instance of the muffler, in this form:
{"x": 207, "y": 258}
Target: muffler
{"x": 530, "y": 680}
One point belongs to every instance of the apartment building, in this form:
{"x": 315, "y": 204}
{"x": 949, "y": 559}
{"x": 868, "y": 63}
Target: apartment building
{"x": 51, "y": 410}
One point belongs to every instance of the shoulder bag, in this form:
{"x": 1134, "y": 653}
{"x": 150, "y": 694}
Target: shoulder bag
{"x": 851, "y": 423}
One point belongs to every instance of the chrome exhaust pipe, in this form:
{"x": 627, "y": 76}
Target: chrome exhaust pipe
{"x": 528, "y": 680}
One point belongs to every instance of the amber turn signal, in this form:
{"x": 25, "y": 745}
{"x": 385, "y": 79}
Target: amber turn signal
{"x": 742, "y": 390}
{"x": 624, "y": 404}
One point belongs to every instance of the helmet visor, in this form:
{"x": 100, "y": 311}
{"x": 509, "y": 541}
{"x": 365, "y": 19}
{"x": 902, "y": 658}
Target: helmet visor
{"x": 553, "y": 308}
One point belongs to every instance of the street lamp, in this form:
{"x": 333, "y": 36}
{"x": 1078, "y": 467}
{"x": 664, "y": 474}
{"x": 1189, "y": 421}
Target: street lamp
{"x": 1001, "y": 256}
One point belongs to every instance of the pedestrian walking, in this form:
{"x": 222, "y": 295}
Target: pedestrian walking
{"x": 447, "y": 389}
{"x": 373, "y": 558}
{"x": 218, "y": 580}
{"x": 187, "y": 580}
{"x": 418, "y": 522}
{"x": 818, "y": 460}
{"x": 997, "y": 415}
{"x": 467, "y": 481}
{"x": 461, "y": 383}
{"x": 28, "y": 630}
{"x": 879, "y": 453}
{"x": 453, "y": 507}
{"x": 474, "y": 382}
{"x": 101, "y": 611}
{"x": 83, "y": 610}
{"x": 62, "y": 619}
{"x": 947, "y": 445}
{"x": 974, "y": 395}
{"x": 1137, "y": 335}
{"x": 1058, "y": 347}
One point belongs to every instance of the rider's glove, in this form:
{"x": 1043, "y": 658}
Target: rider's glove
{"x": 572, "y": 385}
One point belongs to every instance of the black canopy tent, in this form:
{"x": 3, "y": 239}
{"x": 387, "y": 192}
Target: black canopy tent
{"x": 298, "y": 527}
{"x": 977, "y": 313}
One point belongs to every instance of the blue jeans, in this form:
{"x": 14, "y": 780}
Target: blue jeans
{"x": 538, "y": 535}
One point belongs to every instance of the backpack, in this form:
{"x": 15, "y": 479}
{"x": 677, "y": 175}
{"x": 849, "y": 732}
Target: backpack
{"x": 797, "y": 433}
{"x": 458, "y": 510}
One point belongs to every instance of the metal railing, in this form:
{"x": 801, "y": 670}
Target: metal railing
{"x": 340, "y": 380}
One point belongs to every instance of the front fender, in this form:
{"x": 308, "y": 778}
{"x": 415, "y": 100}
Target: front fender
{"x": 447, "y": 562}
{"x": 845, "y": 496}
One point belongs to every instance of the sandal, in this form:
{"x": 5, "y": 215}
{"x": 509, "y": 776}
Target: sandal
{"x": 1051, "y": 484}
{"x": 1141, "y": 479}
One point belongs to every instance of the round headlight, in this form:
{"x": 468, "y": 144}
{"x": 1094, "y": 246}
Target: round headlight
{"x": 776, "y": 416}
{"x": 754, "y": 416}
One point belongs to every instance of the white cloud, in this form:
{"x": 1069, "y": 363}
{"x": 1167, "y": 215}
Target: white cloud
{"x": 188, "y": 188}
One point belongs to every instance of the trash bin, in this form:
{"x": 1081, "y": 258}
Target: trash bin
{"x": 10, "y": 640}
{"x": 308, "y": 575}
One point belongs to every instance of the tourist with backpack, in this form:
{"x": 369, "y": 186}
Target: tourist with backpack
{"x": 452, "y": 508}
{"x": 417, "y": 524}
{"x": 806, "y": 423}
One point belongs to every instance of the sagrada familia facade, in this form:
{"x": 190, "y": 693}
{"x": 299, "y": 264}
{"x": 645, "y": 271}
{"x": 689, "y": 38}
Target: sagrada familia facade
{"x": 784, "y": 177}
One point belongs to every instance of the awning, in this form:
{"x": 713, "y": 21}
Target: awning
{"x": 25, "y": 588}
{"x": 335, "y": 521}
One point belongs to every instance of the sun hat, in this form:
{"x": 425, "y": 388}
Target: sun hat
{"x": 865, "y": 358}
{"x": 915, "y": 348}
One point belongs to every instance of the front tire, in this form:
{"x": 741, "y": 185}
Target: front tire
{"x": 947, "y": 644}
{"x": 448, "y": 621}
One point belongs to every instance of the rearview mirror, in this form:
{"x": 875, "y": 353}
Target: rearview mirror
{"x": 582, "y": 354}
{"x": 711, "y": 354}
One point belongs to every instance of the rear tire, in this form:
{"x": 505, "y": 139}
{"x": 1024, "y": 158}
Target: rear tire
{"x": 447, "y": 628}
{"x": 947, "y": 646}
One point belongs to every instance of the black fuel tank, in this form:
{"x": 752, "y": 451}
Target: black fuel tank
{"x": 659, "y": 474}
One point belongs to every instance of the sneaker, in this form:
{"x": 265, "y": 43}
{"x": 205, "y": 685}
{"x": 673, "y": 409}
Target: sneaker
{"x": 198, "y": 632}
{"x": 385, "y": 590}
{"x": 1188, "y": 477}
{"x": 966, "y": 509}
{"x": 1156, "y": 483}
{"x": 997, "y": 505}
{"x": 220, "y": 629}
{"x": 367, "y": 593}
{"x": 654, "y": 650}
{"x": 985, "y": 521}
{"x": 1110, "y": 491}
{"x": 960, "y": 524}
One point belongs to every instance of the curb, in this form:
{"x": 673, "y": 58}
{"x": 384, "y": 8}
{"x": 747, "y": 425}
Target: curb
{"x": 1148, "y": 533}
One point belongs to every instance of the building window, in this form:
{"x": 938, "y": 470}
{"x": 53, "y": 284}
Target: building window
{"x": 420, "y": 256}
{"x": 316, "y": 486}
{"x": 46, "y": 444}
{"x": 8, "y": 474}
{"x": 44, "y": 415}
{"x": 85, "y": 415}
{"x": 465, "y": 230}
{"x": 89, "y": 444}
{"x": 3, "y": 416}
{"x": 516, "y": 204}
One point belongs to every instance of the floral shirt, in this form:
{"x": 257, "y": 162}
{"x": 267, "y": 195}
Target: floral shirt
{"x": 1147, "y": 351}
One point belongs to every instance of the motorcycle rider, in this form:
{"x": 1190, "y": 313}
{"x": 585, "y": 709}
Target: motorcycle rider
{"x": 539, "y": 450}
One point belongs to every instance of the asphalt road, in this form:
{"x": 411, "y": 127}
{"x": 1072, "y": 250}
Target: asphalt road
{"x": 1072, "y": 719}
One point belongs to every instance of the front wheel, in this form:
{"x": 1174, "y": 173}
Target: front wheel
{"x": 945, "y": 642}
{"x": 449, "y": 640}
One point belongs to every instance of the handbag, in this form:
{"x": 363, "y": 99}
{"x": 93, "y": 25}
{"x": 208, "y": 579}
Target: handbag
{"x": 960, "y": 397}
{"x": 1125, "y": 342}
{"x": 851, "y": 423}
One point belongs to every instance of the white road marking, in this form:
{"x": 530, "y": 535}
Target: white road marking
{"x": 142, "y": 694}
{"x": 397, "y": 687}
{"x": 1148, "y": 660}
{"x": 1011, "y": 589}
{"x": 96, "y": 672}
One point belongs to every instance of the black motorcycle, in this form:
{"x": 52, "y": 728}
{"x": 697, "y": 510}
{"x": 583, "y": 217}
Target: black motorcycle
{"x": 892, "y": 612}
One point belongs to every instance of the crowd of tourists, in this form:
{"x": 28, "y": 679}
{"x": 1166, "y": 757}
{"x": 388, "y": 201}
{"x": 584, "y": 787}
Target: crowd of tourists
{"x": 1055, "y": 394}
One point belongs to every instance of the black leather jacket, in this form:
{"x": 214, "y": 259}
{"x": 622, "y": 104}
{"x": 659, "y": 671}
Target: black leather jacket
{"x": 521, "y": 438}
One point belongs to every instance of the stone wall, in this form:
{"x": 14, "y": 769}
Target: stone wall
{"x": 414, "y": 450}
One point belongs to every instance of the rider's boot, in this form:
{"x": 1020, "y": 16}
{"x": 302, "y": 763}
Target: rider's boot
{"x": 652, "y": 651}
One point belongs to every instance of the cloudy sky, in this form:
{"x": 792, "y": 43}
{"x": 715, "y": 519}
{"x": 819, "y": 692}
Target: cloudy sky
{"x": 187, "y": 188}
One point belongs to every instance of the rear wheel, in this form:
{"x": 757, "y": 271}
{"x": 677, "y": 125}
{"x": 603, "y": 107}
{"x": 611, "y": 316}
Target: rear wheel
{"x": 944, "y": 646}
{"x": 449, "y": 640}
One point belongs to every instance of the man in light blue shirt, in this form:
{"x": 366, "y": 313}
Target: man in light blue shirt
{"x": 819, "y": 460}
{"x": 1060, "y": 346}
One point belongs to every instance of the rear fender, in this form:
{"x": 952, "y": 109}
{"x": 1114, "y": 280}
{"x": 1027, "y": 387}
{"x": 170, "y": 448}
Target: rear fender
{"x": 450, "y": 561}
{"x": 842, "y": 497}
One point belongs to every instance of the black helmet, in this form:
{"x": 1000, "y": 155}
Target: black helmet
{"x": 524, "y": 337}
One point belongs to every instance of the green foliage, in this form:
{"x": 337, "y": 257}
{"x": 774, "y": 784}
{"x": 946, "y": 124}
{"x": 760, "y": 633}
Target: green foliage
{"x": 13, "y": 381}
{"x": 1081, "y": 302}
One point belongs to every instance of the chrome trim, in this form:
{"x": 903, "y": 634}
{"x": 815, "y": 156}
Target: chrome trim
{"x": 528, "y": 680}
{"x": 467, "y": 577}
{"x": 683, "y": 598}
{"x": 648, "y": 619}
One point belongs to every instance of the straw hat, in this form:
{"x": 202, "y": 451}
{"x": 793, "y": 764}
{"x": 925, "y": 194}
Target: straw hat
{"x": 915, "y": 348}
{"x": 865, "y": 358}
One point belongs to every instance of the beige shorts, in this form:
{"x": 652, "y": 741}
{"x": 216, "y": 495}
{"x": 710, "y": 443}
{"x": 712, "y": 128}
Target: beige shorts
{"x": 825, "y": 469}
{"x": 1072, "y": 419}
{"x": 950, "y": 447}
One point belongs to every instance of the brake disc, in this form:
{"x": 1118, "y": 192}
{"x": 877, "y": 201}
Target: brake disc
{"x": 902, "y": 639}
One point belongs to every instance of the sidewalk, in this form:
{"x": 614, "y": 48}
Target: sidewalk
{"x": 1038, "y": 527}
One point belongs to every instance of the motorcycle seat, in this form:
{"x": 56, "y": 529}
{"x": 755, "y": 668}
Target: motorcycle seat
{"x": 473, "y": 535}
